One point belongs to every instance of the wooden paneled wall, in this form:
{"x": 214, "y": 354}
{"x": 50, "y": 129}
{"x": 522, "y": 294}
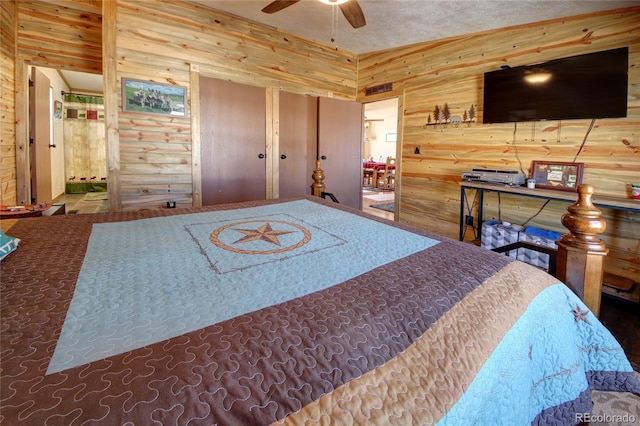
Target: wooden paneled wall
{"x": 8, "y": 22}
{"x": 146, "y": 153}
{"x": 450, "y": 71}
{"x": 156, "y": 151}
{"x": 62, "y": 34}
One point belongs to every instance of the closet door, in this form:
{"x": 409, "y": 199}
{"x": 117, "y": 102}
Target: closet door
{"x": 340, "y": 126}
{"x": 298, "y": 141}
{"x": 232, "y": 123}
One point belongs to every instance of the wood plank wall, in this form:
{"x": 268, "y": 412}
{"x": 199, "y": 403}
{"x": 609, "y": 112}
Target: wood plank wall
{"x": 61, "y": 34}
{"x": 8, "y": 22}
{"x": 156, "y": 151}
{"x": 191, "y": 40}
{"x": 451, "y": 71}
{"x": 149, "y": 152}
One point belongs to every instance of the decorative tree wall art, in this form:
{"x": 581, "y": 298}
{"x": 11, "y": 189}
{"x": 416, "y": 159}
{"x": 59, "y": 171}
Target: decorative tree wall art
{"x": 442, "y": 116}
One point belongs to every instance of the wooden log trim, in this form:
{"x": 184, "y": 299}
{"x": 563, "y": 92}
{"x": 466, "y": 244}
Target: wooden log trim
{"x": 580, "y": 253}
{"x": 111, "y": 105}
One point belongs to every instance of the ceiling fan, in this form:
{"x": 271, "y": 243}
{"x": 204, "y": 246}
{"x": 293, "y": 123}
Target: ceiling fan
{"x": 350, "y": 9}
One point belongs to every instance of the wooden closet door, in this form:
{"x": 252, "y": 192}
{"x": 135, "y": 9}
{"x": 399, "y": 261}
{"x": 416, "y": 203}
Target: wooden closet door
{"x": 233, "y": 134}
{"x": 40, "y": 133}
{"x": 340, "y": 127}
{"x": 298, "y": 141}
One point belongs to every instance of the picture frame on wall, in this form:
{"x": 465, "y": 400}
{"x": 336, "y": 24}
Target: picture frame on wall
{"x": 153, "y": 98}
{"x": 57, "y": 109}
{"x": 557, "y": 175}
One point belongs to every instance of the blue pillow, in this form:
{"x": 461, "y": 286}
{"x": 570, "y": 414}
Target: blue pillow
{"x": 7, "y": 244}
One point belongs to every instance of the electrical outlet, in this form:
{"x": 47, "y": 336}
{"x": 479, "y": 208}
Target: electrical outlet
{"x": 416, "y": 150}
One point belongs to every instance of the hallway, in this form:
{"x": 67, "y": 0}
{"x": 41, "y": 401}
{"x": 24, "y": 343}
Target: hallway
{"x": 370, "y": 198}
{"x": 91, "y": 202}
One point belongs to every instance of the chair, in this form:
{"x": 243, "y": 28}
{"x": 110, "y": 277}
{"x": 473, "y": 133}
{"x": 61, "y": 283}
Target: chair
{"x": 367, "y": 177}
{"x": 387, "y": 177}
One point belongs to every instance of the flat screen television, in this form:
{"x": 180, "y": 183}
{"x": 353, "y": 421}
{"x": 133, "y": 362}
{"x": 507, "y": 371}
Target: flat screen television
{"x": 578, "y": 87}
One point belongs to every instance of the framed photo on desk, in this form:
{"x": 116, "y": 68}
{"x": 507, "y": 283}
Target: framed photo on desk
{"x": 557, "y": 175}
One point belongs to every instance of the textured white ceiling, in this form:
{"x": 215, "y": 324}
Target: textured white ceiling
{"x": 393, "y": 23}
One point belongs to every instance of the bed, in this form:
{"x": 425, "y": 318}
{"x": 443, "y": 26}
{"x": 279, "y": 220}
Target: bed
{"x": 287, "y": 312}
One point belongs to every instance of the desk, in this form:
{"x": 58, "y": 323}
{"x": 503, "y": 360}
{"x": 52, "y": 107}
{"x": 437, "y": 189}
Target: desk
{"x": 615, "y": 203}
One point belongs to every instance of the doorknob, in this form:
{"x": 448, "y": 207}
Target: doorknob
{"x": 260, "y": 155}
{"x": 324, "y": 157}
{"x": 284, "y": 157}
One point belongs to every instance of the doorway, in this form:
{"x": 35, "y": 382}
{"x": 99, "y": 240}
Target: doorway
{"x": 379, "y": 143}
{"x": 75, "y": 145}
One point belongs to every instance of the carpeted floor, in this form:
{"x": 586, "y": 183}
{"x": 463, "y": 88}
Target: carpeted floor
{"x": 372, "y": 189}
{"x": 622, "y": 318}
{"x": 388, "y": 207}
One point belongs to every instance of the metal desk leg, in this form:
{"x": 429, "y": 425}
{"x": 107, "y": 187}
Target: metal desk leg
{"x": 480, "y": 195}
{"x": 467, "y": 219}
{"x": 462, "y": 197}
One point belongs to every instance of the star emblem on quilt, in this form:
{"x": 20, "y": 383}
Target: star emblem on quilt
{"x": 258, "y": 233}
{"x": 580, "y": 315}
{"x": 263, "y": 233}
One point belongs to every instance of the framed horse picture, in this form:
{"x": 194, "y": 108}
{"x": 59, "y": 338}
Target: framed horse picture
{"x": 153, "y": 98}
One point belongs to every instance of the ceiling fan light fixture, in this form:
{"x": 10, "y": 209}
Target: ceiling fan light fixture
{"x": 349, "y": 8}
{"x": 334, "y": 2}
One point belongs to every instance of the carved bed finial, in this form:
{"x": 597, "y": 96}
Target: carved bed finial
{"x": 318, "y": 186}
{"x": 581, "y": 253}
{"x": 584, "y": 222}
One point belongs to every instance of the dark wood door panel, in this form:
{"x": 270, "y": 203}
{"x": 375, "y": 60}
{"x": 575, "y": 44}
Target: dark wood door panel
{"x": 340, "y": 148}
{"x": 298, "y": 141}
{"x": 233, "y": 123}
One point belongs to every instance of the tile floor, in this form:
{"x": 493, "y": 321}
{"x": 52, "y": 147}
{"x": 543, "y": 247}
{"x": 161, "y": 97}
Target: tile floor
{"x": 82, "y": 203}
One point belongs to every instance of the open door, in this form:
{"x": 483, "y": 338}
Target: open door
{"x": 298, "y": 143}
{"x": 40, "y": 137}
{"x": 340, "y": 148}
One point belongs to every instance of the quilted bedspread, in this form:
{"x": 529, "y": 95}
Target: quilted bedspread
{"x": 294, "y": 311}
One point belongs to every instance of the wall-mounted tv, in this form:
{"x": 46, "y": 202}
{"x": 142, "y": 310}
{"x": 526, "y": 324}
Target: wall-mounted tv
{"x": 578, "y": 87}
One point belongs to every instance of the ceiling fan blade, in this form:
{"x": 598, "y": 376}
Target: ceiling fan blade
{"x": 278, "y": 5}
{"x": 352, "y": 11}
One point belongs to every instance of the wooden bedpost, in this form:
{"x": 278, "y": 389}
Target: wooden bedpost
{"x": 581, "y": 254}
{"x": 318, "y": 186}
